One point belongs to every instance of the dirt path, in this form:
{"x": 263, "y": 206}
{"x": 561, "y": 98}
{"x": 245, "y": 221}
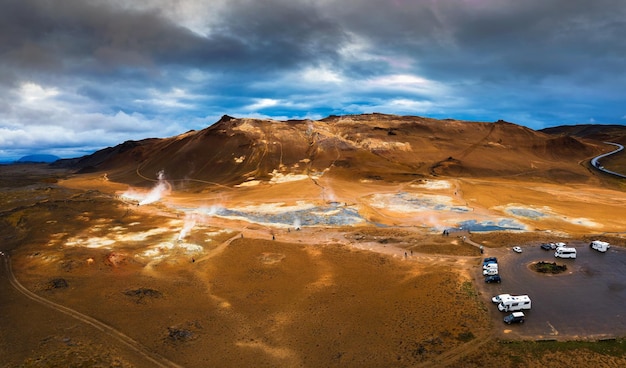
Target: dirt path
{"x": 150, "y": 356}
{"x": 452, "y": 356}
{"x": 219, "y": 249}
{"x": 471, "y": 242}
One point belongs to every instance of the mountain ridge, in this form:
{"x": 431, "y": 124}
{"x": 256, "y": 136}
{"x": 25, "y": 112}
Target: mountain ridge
{"x": 235, "y": 150}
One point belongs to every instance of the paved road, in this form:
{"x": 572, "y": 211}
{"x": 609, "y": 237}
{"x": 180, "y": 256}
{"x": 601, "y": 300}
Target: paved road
{"x": 588, "y": 301}
{"x": 154, "y": 359}
{"x": 596, "y": 163}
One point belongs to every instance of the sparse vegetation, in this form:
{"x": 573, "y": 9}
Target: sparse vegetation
{"x": 549, "y": 267}
{"x": 140, "y": 294}
{"x": 537, "y": 354}
{"x": 466, "y": 336}
{"x": 179, "y": 334}
{"x": 57, "y": 284}
{"x": 467, "y": 287}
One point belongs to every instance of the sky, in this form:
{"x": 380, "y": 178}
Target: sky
{"x": 81, "y": 75}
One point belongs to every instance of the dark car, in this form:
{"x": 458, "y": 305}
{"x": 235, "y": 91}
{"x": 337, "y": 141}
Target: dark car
{"x": 546, "y": 246}
{"x": 488, "y": 260}
{"x": 493, "y": 278}
{"x": 515, "y": 317}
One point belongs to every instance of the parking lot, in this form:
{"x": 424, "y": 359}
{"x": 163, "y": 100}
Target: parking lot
{"x": 588, "y": 301}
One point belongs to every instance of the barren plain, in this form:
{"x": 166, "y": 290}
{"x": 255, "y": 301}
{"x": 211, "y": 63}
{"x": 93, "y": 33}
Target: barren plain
{"x": 283, "y": 270}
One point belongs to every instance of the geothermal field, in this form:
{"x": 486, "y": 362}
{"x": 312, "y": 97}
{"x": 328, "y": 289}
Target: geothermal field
{"x": 133, "y": 264}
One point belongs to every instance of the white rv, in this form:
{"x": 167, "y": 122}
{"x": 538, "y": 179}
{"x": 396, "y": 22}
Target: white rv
{"x": 498, "y": 298}
{"x": 490, "y": 272}
{"x": 490, "y": 265}
{"x": 600, "y": 246}
{"x": 514, "y": 303}
{"x": 565, "y": 252}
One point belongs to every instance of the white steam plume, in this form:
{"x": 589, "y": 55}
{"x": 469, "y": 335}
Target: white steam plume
{"x": 329, "y": 195}
{"x": 160, "y": 189}
{"x": 190, "y": 222}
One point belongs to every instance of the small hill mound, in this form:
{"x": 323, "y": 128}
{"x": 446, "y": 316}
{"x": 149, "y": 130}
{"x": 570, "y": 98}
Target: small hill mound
{"x": 599, "y": 132}
{"x": 562, "y": 146}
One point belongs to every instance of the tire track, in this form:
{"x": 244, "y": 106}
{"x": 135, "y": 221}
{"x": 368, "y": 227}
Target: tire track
{"x": 451, "y": 357}
{"x": 155, "y": 359}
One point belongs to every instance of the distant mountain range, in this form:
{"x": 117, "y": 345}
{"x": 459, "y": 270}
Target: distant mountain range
{"x": 613, "y": 133}
{"x": 38, "y": 158}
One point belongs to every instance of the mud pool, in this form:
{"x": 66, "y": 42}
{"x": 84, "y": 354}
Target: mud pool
{"x": 333, "y": 214}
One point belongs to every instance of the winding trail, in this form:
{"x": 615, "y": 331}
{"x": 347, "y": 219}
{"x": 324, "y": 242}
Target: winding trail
{"x": 220, "y": 248}
{"x": 139, "y": 174}
{"x": 155, "y": 359}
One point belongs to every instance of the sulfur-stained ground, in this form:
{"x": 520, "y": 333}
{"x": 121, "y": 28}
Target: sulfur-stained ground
{"x": 391, "y": 291}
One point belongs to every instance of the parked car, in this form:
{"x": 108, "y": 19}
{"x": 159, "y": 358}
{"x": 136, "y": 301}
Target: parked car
{"x": 493, "y": 278}
{"x": 517, "y": 249}
{"x": 489, "y": 260}
{"x": 490, "y": 271}
{"x": 490, "y": 265}
{"x": 565, "y": 252}
{"x": 515, "y": 317}
{"x": 546, "y": 246}
{"x": 556, "y": 245}
{"x": 600, "y": 246}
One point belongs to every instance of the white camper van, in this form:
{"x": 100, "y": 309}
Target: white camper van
{"x": 498, "y": 298}
{"x": 490, "y": 265}
{"x": 565, "y": 252}
{"x": 490, "y": 271}
{"x": 514, "y": 303}
{"x": 600, "y": 246}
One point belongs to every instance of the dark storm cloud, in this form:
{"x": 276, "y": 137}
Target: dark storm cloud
{"x": 529, "y": 37}
{"x": 159, "y": 67}
{"x": 532, "y": 38}
{"x": 83, "y": 37}
{"x": 546, "y": 54}
{"x": 270, "y": 35}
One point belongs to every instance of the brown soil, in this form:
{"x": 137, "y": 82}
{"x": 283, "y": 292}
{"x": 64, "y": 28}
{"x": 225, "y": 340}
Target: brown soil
{"x": 395, "y": 295}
